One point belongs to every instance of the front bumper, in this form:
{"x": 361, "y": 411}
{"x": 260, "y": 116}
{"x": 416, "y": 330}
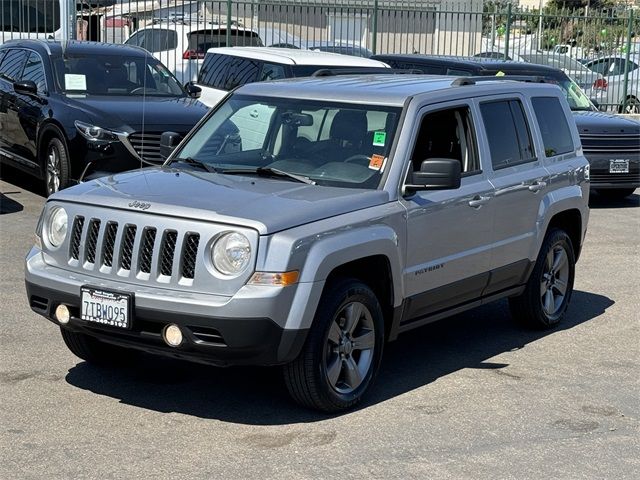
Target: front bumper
{"x": 217, "y": 330}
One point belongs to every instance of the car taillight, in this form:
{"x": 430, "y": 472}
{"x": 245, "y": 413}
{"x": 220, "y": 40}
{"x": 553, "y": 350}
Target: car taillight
{"x": 192, "y": 55}
{"x": 600, "y": 84}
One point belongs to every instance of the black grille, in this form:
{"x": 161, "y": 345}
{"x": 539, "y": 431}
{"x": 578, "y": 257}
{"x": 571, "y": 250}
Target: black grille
{"x": 167, "y": 251}
{"x": 146, "y": 250}
{"x": 128, "y": 239}
{"x": 109, "y": 243}
{"x": 147, "y": 145}
{"x": 76, "y": 235}
{"x": 610, "y": 143}
{"x": 92, "y": 240}
{"x": 189, "y": 254}
{"x": 597, "y": 178}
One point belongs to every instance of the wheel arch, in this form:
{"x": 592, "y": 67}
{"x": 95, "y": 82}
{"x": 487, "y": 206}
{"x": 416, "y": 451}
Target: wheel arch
{"x": 571, "y": 222}
{"x": 47, "y": 131}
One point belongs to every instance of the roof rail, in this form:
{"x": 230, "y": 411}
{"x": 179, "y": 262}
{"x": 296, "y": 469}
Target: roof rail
{"x": 458, "y": 82}
{"x": 331, "y": 72}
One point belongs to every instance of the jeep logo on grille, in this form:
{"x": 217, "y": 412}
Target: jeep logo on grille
{"x": 140, "y": 205}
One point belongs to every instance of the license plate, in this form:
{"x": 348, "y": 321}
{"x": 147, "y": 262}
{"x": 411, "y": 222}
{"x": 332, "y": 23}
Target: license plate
{"x": 107, "y": 308}
{"x": 618, "y": 166}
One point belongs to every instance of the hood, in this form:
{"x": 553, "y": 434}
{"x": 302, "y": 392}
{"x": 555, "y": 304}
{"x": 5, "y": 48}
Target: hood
{"x": 265, "y": 204}
{"x": 130, "y": 113}
{"x": 604, "y": 123}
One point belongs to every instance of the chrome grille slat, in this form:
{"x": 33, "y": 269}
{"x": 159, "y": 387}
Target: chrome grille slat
{"x": 109, "y": 243}
{"x": 610, "y": 143}
{"x": 146, "y": 145}
{"x": 92, "y": 240}
{"x": 167, "y": 252}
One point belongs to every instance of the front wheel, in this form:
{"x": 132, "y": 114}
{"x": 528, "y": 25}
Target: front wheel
{"x": 56, "y": 164}
{"x": 545, "y": 299}
{"x": 343, "y": 350}
{"x": 631, "y": 106}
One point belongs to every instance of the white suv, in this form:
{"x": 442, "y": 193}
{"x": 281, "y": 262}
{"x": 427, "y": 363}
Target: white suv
{"x": 181, "y": 46}
{"x": 227, "y": 68}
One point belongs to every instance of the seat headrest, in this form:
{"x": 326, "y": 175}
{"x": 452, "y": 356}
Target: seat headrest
{"x": 349, "y": 125}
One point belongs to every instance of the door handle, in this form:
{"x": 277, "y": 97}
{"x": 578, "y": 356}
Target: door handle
{"x": 535, "y": 187}
{"x": 478, "y": 201}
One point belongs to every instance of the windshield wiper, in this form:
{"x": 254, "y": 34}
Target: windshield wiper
{"x": 197, "y": 163}
{"x": 268, "y": 172}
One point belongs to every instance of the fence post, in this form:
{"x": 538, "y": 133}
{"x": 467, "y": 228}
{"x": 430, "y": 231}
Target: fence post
{"x": 374, "y": 28}
{"x": 625, "y": 87}
{"x": 228, "y": 35}
{"x": 507, "y": 33}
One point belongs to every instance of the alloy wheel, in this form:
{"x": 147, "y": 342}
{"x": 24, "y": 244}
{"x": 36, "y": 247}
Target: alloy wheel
{"x": 555, "y": 280}
{"x": 53, "y": 169}
{"x": 349, "y": 347}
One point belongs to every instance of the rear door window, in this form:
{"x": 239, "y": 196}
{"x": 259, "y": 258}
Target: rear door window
{"x": 242, "y": 71}
{"x": 214, "y": 71}
{"x": 507, "y": 133}
{"x": 272, "y": 71}
{"x": 159, "y": 40}
{"x": 12, "y": 63}
{"x": 556, "y": 134}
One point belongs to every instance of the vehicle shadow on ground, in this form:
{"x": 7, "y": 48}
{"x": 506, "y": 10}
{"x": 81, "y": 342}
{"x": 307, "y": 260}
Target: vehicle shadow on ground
{"x": 599, "y": 202}
{"x": 7, "y": 205}
{"x": 20, "y": 180}
{"x": 258, "y": 396}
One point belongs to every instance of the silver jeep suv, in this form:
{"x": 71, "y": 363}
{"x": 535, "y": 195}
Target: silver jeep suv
{"x": 305, "y": 223}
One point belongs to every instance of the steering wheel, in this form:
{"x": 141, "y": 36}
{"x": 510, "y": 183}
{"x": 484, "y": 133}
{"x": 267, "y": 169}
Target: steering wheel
{"x": 359, "y": 158}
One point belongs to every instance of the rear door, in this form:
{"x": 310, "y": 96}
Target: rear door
{"x": 520, "y": 179}
{"x": 11, "y": 132}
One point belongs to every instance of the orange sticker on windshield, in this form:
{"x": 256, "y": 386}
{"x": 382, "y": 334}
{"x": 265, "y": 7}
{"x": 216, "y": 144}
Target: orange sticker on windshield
{"x": 376, "y": 162}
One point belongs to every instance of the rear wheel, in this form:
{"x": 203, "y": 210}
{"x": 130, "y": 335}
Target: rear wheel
{"x": 617, "y": 193}
{"x": 56, "y": 163}
{"x": 546, "y": 297}
{"x": 94, "y": 351}
{"x": 343, "y": 350}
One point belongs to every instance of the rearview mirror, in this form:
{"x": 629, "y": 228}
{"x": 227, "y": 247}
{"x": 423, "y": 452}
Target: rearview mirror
{"x": 436, "y": 174}
{"x": 168, "y": 143}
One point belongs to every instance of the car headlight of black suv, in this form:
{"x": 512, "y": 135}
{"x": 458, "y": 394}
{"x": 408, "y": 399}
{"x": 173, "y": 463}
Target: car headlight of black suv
{"x": 96, "y": 134}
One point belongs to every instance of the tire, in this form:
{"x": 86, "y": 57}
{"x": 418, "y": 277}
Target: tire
{"x": 632, "y": 106}
{"x": 56, "y": 166}
{"x": 332, "y": 373}
{"x": 546, "y": 297}
{"x": 94, "y": 351}
{"x": 616, "y": 193}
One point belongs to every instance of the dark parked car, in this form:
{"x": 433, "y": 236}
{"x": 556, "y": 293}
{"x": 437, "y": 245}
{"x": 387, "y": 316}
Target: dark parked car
{"x": 87, "y": 111}
{"x": 611, "y": 143}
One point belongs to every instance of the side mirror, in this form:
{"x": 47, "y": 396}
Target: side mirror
{"x": 25, "y": 87}
{"x": 436, "y": 174}
{"x": 168, "y": 143}
{"x": 193, "y": 90}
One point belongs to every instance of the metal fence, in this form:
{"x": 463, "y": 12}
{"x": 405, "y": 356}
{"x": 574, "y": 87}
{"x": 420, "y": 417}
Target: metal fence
{"x": 182, "y": 30}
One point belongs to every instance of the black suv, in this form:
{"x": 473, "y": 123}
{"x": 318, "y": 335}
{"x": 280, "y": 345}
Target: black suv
{"x": 611, "y": 143}
{"x": 87, "y": 110}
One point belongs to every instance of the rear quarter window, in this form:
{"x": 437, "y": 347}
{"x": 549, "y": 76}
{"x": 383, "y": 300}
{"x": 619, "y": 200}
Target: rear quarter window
{"x": 214, "y": 70}
{"x": 554, "y": 128}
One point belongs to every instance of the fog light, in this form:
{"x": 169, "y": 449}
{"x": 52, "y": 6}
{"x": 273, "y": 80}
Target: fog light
{"x": 172, "y": 335}
{"x": 62, "y": 314}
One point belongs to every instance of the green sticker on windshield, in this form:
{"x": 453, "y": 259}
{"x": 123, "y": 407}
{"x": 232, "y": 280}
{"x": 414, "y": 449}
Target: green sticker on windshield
{"x": 379, "y": 139}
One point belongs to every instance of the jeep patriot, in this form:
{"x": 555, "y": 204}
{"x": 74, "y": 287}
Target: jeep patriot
{"x": 307, "y": 222}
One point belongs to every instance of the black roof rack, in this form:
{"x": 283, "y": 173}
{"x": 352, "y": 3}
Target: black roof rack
{"x": 330, "y": 72}
{"x": 458, "y": 82}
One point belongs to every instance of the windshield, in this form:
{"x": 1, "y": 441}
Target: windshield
{"x": 576, "y": 98}
{"x": 116, "y": 75}
{"x": 341, "y": 145}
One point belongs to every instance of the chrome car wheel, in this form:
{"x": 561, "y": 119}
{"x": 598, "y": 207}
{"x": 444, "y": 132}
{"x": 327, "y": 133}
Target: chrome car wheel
{"x": 555, "y": 277}
{"x": 53, "y": 169}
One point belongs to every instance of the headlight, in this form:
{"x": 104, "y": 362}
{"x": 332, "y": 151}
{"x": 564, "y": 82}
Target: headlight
{"x": 231, "y": 253}
{"x": 57, "y": 226}
{"x": 93, "y": 133}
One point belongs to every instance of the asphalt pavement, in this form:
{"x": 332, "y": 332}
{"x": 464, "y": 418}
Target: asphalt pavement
{"x": 472, "y": 396}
